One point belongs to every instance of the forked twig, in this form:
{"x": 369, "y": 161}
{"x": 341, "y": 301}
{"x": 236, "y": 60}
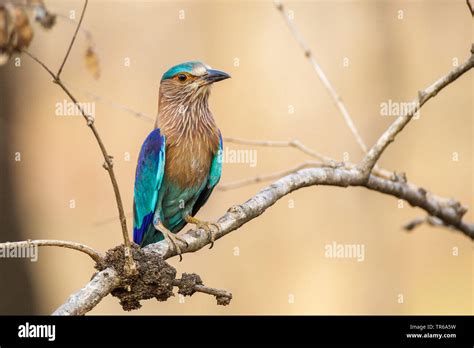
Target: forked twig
{"x": 322, "y": 76}
{"x": 108, "y": 164}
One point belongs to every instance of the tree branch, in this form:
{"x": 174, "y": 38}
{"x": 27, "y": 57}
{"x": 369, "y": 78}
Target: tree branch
{"x": 273, "y": 176}
{"x": 108, "y": 164}
{"x": 470, "y": 6}
{"x": 192, "y": 283}
{"x": 89, "y": 296}
{"x": 396, "y": 127}
{"x": 322, "y": 76}
{"x": 328, "y": 161}
{"x": 58, "y": 74}
{"x": 430, "y": 220}
{"x": 450, "y": 212}
{"x": 272, "y": 143}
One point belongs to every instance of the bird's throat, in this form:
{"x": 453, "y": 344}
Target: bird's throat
{"x": 186, "y": 119}
{"x": 192, "y": 139}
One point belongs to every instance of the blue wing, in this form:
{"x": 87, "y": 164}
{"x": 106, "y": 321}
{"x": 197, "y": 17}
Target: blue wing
{"x": 214, "y": 177}
{"x": 148, "y": 179}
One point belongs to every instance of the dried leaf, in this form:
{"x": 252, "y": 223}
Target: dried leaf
{"x": 92, "y": 62}
{"x": 21, "y": 19}
{"x": 24, "y": 32}
{"x": 5, "y": 49}
{"x": 3, "y": 27}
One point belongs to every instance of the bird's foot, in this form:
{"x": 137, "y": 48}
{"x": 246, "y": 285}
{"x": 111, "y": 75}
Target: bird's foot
{"x": 206, "y": 226}
{"x": 173, "y": 239}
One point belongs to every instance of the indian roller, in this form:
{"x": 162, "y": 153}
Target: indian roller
{"x": 180, "y": 162}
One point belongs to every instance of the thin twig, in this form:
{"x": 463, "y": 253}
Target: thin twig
{"x": 383, "y": 173}
{"x": 322, "y": 76}
{"x": 396, "y": 127}
{"x": 430, "y": 220}
{"x": 108, "y": 164}
{"x": 40, "y": 63}
{"x": 118, "y": 106}
{"x": 272, "y": 143}
{"x": 411, "y": 225}
{"x": 273, "y": 176}
{"x": 212, "y": 291}
{"x": 86, "y": 32}
{"x": 449, "y": 211}
{"x": 58, "y": 74}
{"x": 191, "y": 283}
{"x": 470, "y": 6}
{"x": 95, "y": 255}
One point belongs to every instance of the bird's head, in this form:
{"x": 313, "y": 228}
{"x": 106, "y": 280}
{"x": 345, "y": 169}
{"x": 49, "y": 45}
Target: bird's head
{"x": 190, "y": 80}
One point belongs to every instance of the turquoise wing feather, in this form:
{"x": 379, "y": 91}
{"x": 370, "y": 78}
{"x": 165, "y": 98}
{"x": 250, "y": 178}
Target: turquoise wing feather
{"x": 214, "y": 177}
{"x": 148, "y": 181}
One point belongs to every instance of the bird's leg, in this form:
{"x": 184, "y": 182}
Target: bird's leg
{"x": 172, "y": 239}
{"x": 206, "y": 226}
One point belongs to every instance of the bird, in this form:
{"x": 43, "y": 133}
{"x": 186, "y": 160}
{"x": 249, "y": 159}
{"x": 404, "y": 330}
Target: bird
{"x": 180, "y": 161}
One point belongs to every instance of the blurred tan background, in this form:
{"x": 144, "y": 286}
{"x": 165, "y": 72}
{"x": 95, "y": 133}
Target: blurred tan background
{"x": 280, "y": 267}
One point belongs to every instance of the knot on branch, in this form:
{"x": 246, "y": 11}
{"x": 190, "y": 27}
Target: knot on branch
{"x": 459, "y": 209}
{"x": 236, "y": 209}
{"x": 108, "y": 164}
{"x": 90, "y": 120}
{"x": 422, "y": 192}
{"x": 191, "y": 283}
{"x": 399, "y": 177}
{"x": 187, "y": 283}
{"x": 153, "y": 280}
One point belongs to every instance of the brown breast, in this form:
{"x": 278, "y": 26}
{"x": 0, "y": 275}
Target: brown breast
{"x": 188, "y": 160}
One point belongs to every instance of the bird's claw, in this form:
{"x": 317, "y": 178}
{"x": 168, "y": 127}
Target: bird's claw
{"x": 206, "y": 226}
{"x": 173, "y": 239}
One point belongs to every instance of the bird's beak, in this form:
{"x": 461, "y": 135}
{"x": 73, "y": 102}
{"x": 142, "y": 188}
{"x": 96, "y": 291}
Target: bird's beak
{"x": 215, "y": 75}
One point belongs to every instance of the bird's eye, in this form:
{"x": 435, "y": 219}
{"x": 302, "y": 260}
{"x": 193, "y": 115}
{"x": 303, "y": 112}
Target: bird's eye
{"x": 182, "y": 77}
